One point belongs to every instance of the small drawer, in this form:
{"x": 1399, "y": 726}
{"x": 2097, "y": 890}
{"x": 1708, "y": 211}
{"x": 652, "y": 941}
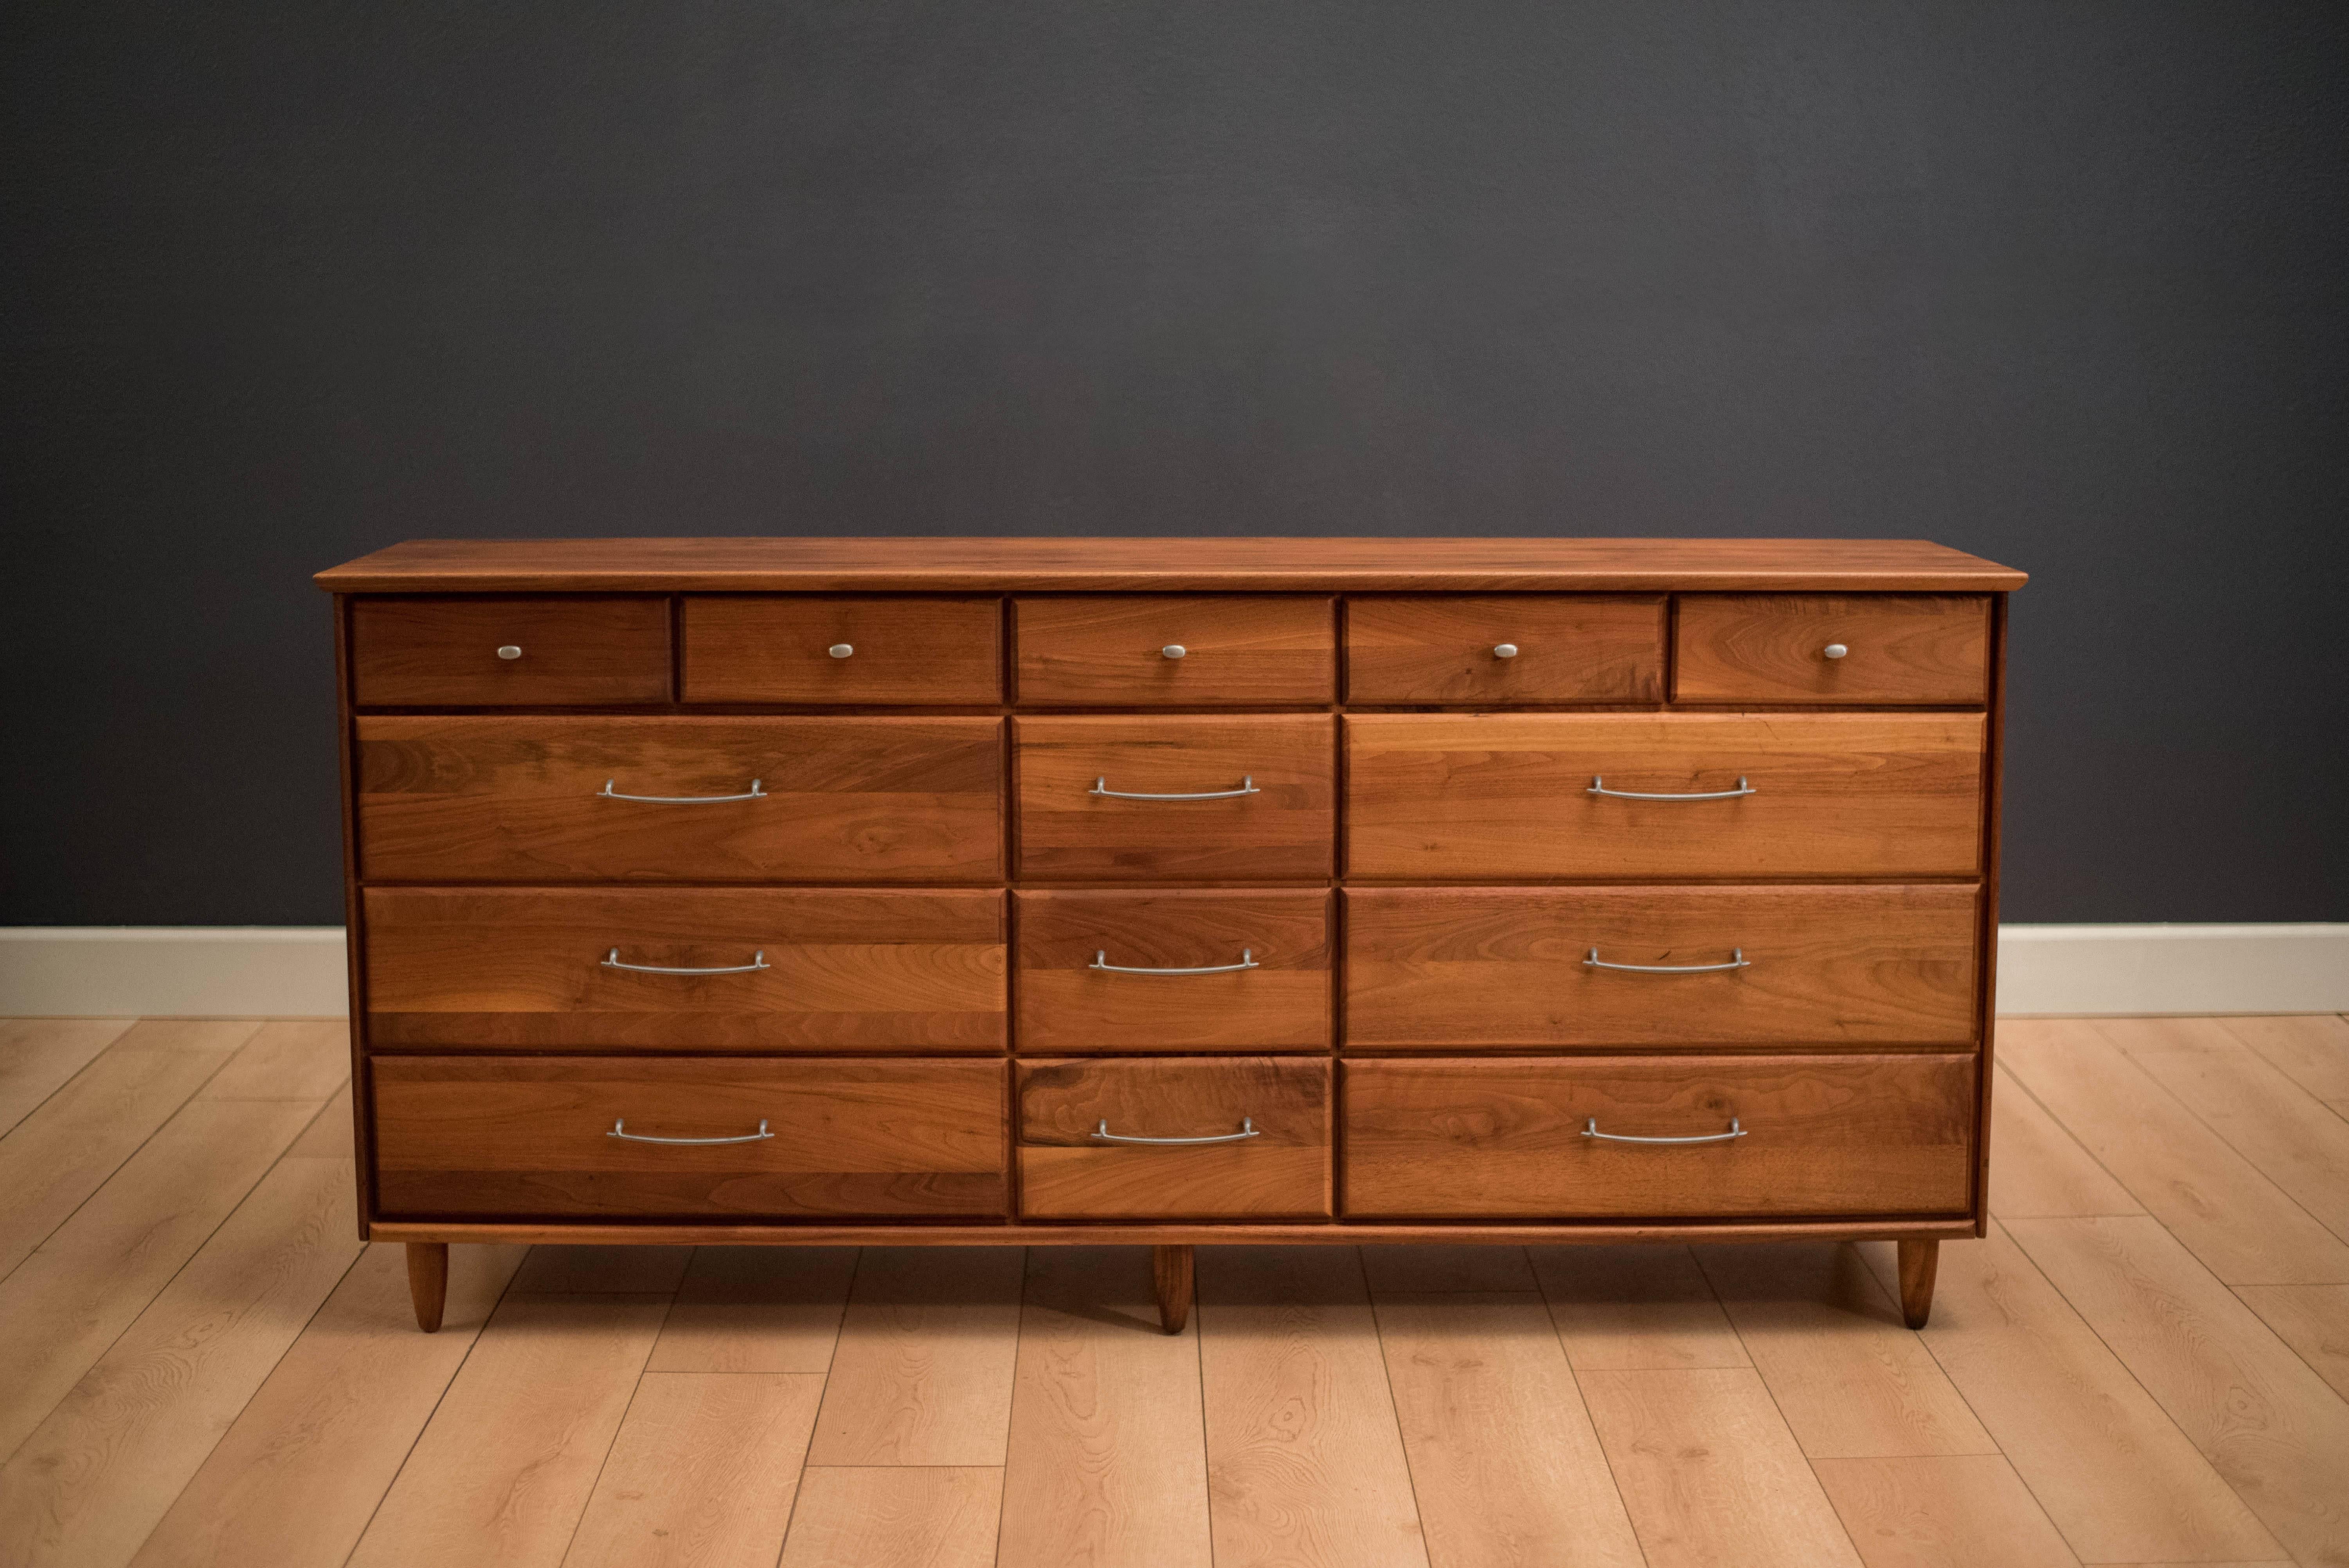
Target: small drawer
{"x": 1177, "y": 650}
{"x": 819, "y": 648}
{"x": 1453, "y": 967}
{"x": 1226, "y": 1139}
{"x": 1238, "y": 799}
{"x": 1173, "y": 971}
{"x": 1493, "y": 651}
{"x": 1784, "y": 647}
{"x": 1608, "y": 1137}
{"x": 480, "y": 650}
{"x": 622, "y": 1138}
{"x": 707, "y": 968}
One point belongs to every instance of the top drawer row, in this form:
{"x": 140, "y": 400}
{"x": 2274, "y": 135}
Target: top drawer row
{"x": 1120, "y": 650}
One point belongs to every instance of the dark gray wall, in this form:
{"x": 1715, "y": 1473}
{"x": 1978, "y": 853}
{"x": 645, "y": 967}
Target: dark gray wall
{"x": 2063, "y": 284}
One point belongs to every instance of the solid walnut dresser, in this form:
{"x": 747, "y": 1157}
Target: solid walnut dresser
{"x": 1170, "y": 891}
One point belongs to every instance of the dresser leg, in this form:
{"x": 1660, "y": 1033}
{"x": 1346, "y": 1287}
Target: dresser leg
{"x": 1918, "y": 1262}
{"x": 427, "y": 1282}
{"x": 1172, "y": 1266}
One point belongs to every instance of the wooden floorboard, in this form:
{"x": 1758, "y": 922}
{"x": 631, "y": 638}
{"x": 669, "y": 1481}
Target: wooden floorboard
{"x": 40, "y": 1055}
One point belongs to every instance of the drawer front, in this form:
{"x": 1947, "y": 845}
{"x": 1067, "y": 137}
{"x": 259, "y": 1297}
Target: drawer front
{"x": 532, "y": 1138}
{"x": 1508, "y": 1139}
{"x": 522, "y": 799}
{"x": 778, "y": 648}
{"x": 1774, "y": 647}
{"x": 1070, "y": 1000}
{"x": 1281, "y": 829}
{"x": 1115, "y": 650}
{"x": 566, "y": 648}
{"x": 1067, "y": 1171}
{"x": 470, "y": 969}
{"x": 1472, "y": 796}
{"x": 1491, "y": 651}
{"x": 1466, "y": 967}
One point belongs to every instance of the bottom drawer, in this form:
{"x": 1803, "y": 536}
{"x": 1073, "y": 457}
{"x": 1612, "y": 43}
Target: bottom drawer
{"x": 535, "y": 1137}
{"x": 1187, "y": 1138}
{"x": 1556, "y": 1139}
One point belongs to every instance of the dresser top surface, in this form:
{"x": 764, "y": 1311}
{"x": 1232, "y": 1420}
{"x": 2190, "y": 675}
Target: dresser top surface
{"x": 1166, "y": 564}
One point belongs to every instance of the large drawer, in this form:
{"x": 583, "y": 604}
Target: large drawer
{"x": 1832, "y": 648}
{"x": 541, "y": 1137}
{"x": 1494, "y": 650}
{"x": 1228, "y": 1137}
{"x": 826, "y": 648}
{"x": 1518, "y": 795}
{"x": 1188, "y": 650}
{"x": 677, "y": 798}
{"x": 483, "y": 650}
{"x": 1803, "y": 965}
{"x": 710, "y": 969}
{"x": 1534, "y": 1138}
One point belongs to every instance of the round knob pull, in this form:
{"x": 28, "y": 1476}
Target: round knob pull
{"x": 1173, "y": 650}
{"x": 1505, "y": 650}
{"x": 839, "y": 651}
{"x": 509, "y": 652}
{"x": 1835, "y": 651}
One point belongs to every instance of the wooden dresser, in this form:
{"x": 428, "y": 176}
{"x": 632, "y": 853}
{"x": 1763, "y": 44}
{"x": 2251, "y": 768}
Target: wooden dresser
{"x": 1170, "y": 891}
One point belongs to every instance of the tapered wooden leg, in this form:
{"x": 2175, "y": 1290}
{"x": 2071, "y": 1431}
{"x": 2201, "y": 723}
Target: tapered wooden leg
{"x": 1172, "y": 1266}
{"x": 427, "y": 1282}
{"x": 1918, "y": 1262}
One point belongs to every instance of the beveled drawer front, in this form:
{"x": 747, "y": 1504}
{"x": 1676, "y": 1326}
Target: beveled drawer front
{"x": 1500, "y": 648}
{"x": 818, "y": 647}
{"x": 534, "y": 1138}
{"x": 679, "y": 798}
{"x": 527, "y": 651}
{"x": 1781, "y": 648}
{"x": 711, "y": 969}
{"x": 1471, "y": 796}
{"x": 1466, "y": 967}
{"x": 1177, "y": 650}
{"x": 1535, "y": 1139}
{"x": 1228, "y": 1137}
{"x": 1173, "y": 971}
{"x": 1259, "y": 803}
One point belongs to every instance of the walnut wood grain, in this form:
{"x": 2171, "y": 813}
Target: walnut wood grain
{"x": 1570, "y": 648}
{"x": 1239, "y": 651}
{"x": 1919, "y": 1263}
{"x": 1174, "y": 1271}
{"x": 482, "y": 798}
{"x": 777, "y": 647}
{"x": 427, "y": 1282}
{"x": 1469, "y": 967}
{"x": 1466, "y": 796}
{"x": 444, "y": 651}
{"x": 1824, "y": 1135}
{"x": 1769, "y": 647}
{"x": 861, "y": 970}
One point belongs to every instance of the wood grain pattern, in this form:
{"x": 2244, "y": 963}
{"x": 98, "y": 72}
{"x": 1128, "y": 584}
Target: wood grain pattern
{"x": 1570, "y": 648}
{"x": 937, "y": 1516}
{"x": 1065, "y": 1006}
{"x": 778, "y": 648}
{"x": 1468, "y": 796}
{"x": 503, "y": 798}
{"x": 1283, "y": 831}
{"x": 1239, "y": 650}
{"x": 1765, "y": 648}
{"x": 856, "y": 970}
{"x": 443, "y": 653}
{"x": 1460, "y": 968}
{"x": 756, "y": 1309}
{"x": 1823, "y": 1135}
{"x": 289, "y": 1059}
{"x": 558, "y": 1269}
{"x": 40, "y": 1055}
{"x": 1947, "y": 1510}
{"x": 531, "y": 1136}
{"x": 1283, "y": 1172}
{"x": 1434, "y": 1267}
{"x": 1635, "y": 1309}
{"x": 924, "y": 1371}
{"x": 2040, "y": 1169}
{"x": 2312, "y": 1051}
{"x": 2314, "y": 1319}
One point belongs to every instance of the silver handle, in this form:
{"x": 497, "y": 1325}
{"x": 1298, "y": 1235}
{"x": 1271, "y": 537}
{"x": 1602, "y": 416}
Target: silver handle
{"x": 620, "y": 1130}
{"x": 1173, "y": 650}
{"x": 1247, "y": 961}
{"x": 612, "y": 960}
{"x": 1247, "y": 786}
{"x": 841, "y": 649}
{"x": 1247, "y": 1129}
{"x": 509, "y": 652}
{"x": 1835, "y": 651}
{"x": 1505, "y": 650}
{"x": 1590, "y": 1130}
{"x": 608, "y": 792}
{"x": 1737, "y": 960}
{"x": 1598, "y": 786}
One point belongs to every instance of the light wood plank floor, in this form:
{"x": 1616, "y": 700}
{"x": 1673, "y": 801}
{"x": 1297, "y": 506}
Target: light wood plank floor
{"x": 2146, "y": 1360}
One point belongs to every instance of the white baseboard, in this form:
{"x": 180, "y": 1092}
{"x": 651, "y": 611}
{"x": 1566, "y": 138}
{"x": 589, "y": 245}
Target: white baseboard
{"x": 296, "y": 971}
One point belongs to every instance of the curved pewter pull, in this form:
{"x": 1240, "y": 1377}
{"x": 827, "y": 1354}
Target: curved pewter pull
{"x": 1737, "y": 960}
{"x": 620, "y": 1130}
{"x": 1598, "y": 786}
{"x": 608, "y": 792}
{"x": 612, "y": 960}
{"x": 1101, "y": 961}
{"x": 1247, "y": 1129}
{"x": 1247, "y": 786}
{"x": 1590, "y": 1130}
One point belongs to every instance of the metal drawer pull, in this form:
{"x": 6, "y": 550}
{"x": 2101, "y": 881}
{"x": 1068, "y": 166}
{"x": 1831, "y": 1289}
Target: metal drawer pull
{"x": 1737, "y": 960}
{"x": 1173, "y": 650}
{"x": 1835, "y": 651}
{"x": 1247, "y": 1129}
{"x": 1101, "y": 961}
{"x": 1505, "y": 650}
{"x": 841, "y": 649}
{"x": 612, "y": 960}
{"x": 620, "y": 1130}
{"x": 1590, "y": 1130}
{"x": 509, "y": 652}
{"x": 1598, "y": 786}
{"x": 1247, "y": 786}
{"x": 608, "y": 792}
